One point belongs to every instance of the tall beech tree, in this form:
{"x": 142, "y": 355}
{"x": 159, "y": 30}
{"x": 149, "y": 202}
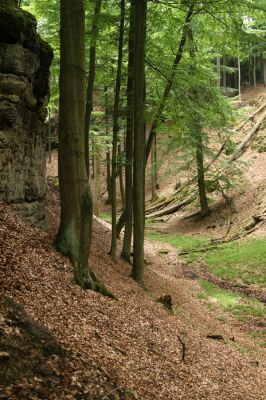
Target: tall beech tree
{"x": 139, "y": 142}
{"x": 128, "y": 212}
{"x": 116, "y": 125}
{"x": 74, "y": 235}
{"x": 91, "y": 78}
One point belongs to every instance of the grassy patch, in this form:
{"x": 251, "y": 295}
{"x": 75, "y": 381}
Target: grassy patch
{"x": 241, "y": 307}
{"x": 106, "y": 217}
{"x": 182, "y": 243}
{"x": 237, "y": 262}
{"x": 245, "y": 262}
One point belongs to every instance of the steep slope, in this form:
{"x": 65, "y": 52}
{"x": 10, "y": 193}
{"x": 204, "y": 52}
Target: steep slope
{"x": 129, "y": 348}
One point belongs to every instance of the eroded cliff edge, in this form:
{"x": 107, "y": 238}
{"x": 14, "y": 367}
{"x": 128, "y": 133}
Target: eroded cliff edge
{"x": 24, "y": 88}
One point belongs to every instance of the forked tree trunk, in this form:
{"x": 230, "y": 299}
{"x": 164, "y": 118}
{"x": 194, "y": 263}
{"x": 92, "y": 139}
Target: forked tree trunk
{"x": 139, "y": 143}
{"x": 91, "y": 77}
{"x": 116, "y": 127}
{"x": 128, "y": 212}
{"x": 74, "y": 235}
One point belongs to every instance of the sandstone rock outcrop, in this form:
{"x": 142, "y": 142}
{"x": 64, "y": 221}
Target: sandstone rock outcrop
{"x": 24, "y": 87}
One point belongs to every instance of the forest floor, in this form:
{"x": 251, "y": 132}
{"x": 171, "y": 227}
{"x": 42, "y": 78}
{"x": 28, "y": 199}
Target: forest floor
{"x": 60, "y": 342}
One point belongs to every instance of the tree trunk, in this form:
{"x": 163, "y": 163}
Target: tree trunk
{"x": 128, "y": 212}
{"x": 154, "y": 171}
{"x": 91, "y": 77}
{"x": 224, "y": 72}
{"x": 74, "y": 235}
{"x": 204, "y": 208}
{"x": 254, "y": 71}
{"x": 139, "y": 143}
{"x": 197, "y": 132}
{"x": 264, "y": 72}
{"x": 218, "y": 66}
{"x": 49, "y": 136}
{"x": 239, "y": 77}
{"x": 121, "y": 175}
{"x": 116, "y": 127}
{"x": 108, "y": 156}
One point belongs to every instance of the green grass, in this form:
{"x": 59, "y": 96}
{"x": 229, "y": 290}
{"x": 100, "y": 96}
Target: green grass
{"x": 237, "y": 262}
{"x": 106, "y": 217}
{"x": 241, "y": 307}
{"x": 182, "y": 243}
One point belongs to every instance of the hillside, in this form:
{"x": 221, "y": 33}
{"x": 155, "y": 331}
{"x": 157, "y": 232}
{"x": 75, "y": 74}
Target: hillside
{"x": 59, "y": 342}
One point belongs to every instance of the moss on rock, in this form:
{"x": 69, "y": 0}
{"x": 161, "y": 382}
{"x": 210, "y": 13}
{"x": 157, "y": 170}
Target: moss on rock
{"x": 17, "y": 26}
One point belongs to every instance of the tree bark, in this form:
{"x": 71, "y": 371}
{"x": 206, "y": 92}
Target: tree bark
{"x": 91, "y": 77}
{"x": 204, "y": 208}
{"x": 128, "y": 212}
{"x": 139, "y": 143}
{"x": 239, "y": 77}
{"x": 116, "y": 127}
{"x": 74, "y": 235}
{"x": 254, "y": 71}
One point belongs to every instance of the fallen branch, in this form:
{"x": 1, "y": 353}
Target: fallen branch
{"x": 172, "y": 209}
{"x": 183, "y": 344}
{"x": 240, "y": 126}
{"x": 243, "y": 145}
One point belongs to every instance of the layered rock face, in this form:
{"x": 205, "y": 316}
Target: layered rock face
{"x": 24, "y": 86}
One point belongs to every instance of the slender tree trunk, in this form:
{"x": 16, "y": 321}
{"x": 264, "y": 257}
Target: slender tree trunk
{"x": 91, "y": 77}
{"x": 128, "y": 212}
{"x": 49, "y": 136}
{"x": 121, "y": 175}
{"x": 97, "y": 187}
{"x": 204, "y": 208}
{"x": 154, "y": 172}
{"x": 108, "y": 156}
{"x": 139, "y": 143}
{"x": 74, "y": 235}
{"x": 264, "y": 71}
{"x": 239, "y": 77}
{"x": 116, "y": 127}
{"x": 197, "y": 132}
{"x": 170, "y": 81}
{"x": 254, "y": 71}
{"x": 218, "y": 66}
{"x": 224, "y": 72}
